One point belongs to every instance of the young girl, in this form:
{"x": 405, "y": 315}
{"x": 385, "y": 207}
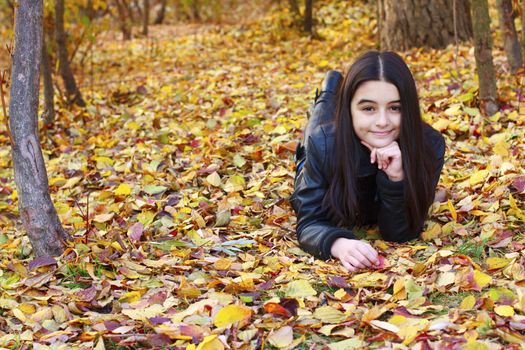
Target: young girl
{"x": 367, "y": 157}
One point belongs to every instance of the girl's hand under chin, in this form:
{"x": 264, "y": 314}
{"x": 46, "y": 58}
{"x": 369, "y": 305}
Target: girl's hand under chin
{"x": 388, "y": 159}
{"x": 354, "y": 254}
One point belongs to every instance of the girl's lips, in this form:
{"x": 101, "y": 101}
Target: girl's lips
{"x": 381, "y": 133}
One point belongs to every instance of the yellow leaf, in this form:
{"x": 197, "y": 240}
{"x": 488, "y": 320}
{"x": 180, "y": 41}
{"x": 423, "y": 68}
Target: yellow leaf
{"x": 211, "y": 342}
{"x": 385, "y": 325}
{"x": 231, "y": 314}
{"x": 478, "y": 177}
{"x": 299, "y": 289}
{"x": 468, "y": 303}
{"x": 441, "y": 124}
{"x": 282, "y": 337}
{"x": 27, "y": 308}
{"x": 502, "y": 149}
{"x": 103, "y": 217}
{"x": 329, "y": 314}
{"x": 495, "y": 263}
{"x": 446, "y": 278}
{"x": 504, "y": 310}
{"x": 432, "y": 232}
{"x": 234, "y": 183}
{"x": 367, "y": 279}
{"x": 130, "y": 297}
{"x": 452, "y": 210}
{"x": 123, "y": 190}
{"x": 143, "y": 314}
{"x": 481, "y": 279}
{"x": 214, "y": 179}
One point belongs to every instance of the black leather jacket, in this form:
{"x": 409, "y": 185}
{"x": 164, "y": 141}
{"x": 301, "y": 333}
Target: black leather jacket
{"x": 382, "y": 200}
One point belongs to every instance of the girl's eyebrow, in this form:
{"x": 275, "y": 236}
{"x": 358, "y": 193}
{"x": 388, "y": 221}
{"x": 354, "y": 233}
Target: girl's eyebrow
{"x": 371, "y": 101}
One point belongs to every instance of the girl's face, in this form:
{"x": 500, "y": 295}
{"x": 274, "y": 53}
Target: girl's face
{"x": 376, "y": 113}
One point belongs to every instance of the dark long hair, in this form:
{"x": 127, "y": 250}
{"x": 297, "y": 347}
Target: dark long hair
{"x": 341, "y": 201}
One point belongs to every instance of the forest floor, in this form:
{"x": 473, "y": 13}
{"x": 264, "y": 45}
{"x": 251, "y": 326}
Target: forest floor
{"x": 174, "y": 185}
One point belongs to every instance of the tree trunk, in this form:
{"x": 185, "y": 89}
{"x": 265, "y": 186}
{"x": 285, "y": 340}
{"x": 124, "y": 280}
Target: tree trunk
{"x": 483, "y": 54}
{"x": 195, "y": 10}
{"x": 139, "y": 9}
{"x": 308, "y": 17}
{"x": 417, "y": 23}
{"x": 510, "y": 37}
{"x": 124, "y": 21}
{"x": 38, "y": 214}
{"x": 73, "y": 93}
{"x": 145, "y": 22}
{"x": 49, "y": 91}
{"x": 162, "y": 12}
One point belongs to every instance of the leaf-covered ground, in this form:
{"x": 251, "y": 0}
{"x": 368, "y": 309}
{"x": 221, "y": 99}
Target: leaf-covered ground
{"x": 174, "y": 185}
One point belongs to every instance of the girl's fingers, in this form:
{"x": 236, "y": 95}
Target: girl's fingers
{"x": 373, "y": 155}
{"x": 348, "y": 266}
{"x": 358, "y": 254}
{"x": 369, "y": 253}
{"x": 355, "y": 262}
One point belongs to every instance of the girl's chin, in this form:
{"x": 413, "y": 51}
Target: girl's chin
{"x": 379, "y": 143}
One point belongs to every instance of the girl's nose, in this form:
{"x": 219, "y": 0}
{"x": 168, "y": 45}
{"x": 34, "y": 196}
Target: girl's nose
{"x": 382, "y": 118}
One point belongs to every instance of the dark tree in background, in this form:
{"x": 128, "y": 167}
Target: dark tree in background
{"x": 404, "y": 24}
{"x": 125, "y": 18}
{"x": 73, "y": 93}
{"x": 308, "y": 17}
{"x": 483, "y": 54}
{"x": 161, "y": 13}
{"x": 37, "y": 212}
{"x": 511, "y": 42}
{"x": 145, "y": 22}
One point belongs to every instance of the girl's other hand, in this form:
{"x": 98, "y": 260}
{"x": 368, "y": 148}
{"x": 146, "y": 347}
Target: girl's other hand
{"x": 354, "y": 254}
{"x": 388, "y": 159}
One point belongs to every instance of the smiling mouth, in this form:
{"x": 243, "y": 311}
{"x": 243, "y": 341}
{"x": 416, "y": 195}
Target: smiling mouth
{"x": 381, "y": 133}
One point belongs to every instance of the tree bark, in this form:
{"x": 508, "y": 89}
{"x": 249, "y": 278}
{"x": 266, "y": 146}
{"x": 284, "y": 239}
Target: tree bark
{"x": 483, "y": 54}
{"x": 38, "y": 214}
{"x": 422, "y": 23}
{"x": 124, "y": 21}
{"x": 308, "y": 17}
{"x": 49, "y": 91}
{"x": 162, "y": 12}
{"x": 510, "y": 37}
{"x": 195, "y": 10}
{"x": 145, "y": 22}
{"x": 72, "y": 91}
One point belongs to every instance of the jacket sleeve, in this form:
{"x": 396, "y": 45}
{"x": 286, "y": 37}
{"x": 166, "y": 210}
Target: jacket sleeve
{"x": 315, "y": 232}
{"x": 391, "y": 219}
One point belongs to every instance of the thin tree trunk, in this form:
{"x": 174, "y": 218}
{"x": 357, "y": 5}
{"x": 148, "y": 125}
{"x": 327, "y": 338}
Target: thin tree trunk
{"x": 125, "y": 25}
{"x": 510, "y": 37}
{"x": 73, "y": 93}
{"x": 162, "y": 12}
{"x": 195, "y": 10}
{"x": 483, "y": 54}
{"x": 38, "y": 214}
{"x": 49, "y": 91}
{"x": 137, "y": 6}
{"x": 145, "y": 22}
{"x": 308, "y": 17}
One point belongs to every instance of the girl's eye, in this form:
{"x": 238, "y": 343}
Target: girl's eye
{"x": 396, "y": 108}
{"x": 368, "y": 109}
